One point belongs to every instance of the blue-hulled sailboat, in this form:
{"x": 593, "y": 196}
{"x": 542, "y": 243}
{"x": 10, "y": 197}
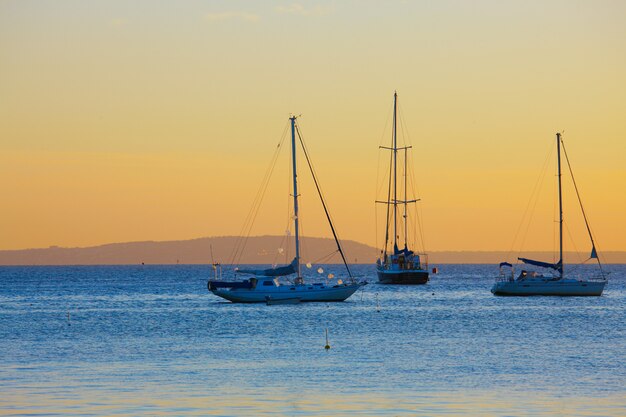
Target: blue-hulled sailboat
{"x": 264, "y": 285}
{"x": 555, "y": 282}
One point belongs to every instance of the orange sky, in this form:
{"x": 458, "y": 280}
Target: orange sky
{"x": 140, "y": 121}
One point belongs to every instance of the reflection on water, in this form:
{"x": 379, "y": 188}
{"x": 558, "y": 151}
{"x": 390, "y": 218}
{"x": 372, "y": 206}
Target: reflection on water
{"x": 152, "y": 341}
{"x": 171, "y": 401}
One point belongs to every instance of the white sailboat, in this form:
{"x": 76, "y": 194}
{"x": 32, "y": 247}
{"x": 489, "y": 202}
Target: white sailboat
{"x": 265, "y": 287}
{"x": 398, "y": 266}
{"x": 554, "y": 283}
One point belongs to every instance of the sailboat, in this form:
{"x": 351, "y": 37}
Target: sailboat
{"x": 264, "y": 285}
{"x": 554, "y": 283}
{"x": 398, "y": 266}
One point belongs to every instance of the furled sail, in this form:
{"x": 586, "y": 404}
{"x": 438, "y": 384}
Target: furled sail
{"x": 273, "y": 272}
{"x": 557, "y": 266}
{"x": 405, "y": 251}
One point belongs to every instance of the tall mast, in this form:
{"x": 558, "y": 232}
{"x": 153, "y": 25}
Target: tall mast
{"x": 395, "y": 176}
{"x": 295, "y": 191}
{"x": 558, "y": 152}
{"x": 405, "y": 198}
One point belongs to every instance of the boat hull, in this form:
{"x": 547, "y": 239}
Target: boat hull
{"x": 271, "y": 302}
{"x": 304, "y": 293}
{"x": 563, "y": 288}
{"x": 407, "y": 277}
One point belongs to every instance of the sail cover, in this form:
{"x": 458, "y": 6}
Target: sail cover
{"x": 557, "y": 266}
{"x": 273, "y": 272}
{"x": 405, "y": 251}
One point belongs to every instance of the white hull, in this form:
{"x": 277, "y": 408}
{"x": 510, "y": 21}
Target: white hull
{"x": 559, "y": 287}
{"x": 305, "y": 293}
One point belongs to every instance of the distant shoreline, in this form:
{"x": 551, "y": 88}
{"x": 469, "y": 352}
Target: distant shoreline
{"x": 259, "y": 250}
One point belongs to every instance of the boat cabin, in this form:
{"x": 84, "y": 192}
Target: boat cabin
{"x": 267, "y": 282}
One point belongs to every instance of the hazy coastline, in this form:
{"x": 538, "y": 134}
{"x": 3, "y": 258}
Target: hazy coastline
{"x": 259, "y": 250}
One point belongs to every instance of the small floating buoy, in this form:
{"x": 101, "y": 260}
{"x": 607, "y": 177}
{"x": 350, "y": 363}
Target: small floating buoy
{"x": 435, "y": 270}
{"x": 68, "y": 319}
{"x": 327, "y": 346}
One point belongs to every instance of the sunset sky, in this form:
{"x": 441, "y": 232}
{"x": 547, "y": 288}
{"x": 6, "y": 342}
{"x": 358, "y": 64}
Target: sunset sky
{"x": 143, "y": 120}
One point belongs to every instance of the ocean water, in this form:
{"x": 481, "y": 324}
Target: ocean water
{"x": 151, "y": 340}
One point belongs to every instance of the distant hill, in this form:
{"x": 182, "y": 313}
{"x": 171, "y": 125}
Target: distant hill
{"x": 258, "y": 250}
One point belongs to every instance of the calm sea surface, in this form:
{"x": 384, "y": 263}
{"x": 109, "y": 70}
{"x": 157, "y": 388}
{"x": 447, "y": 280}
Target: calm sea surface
{"x": 152, "y": 341}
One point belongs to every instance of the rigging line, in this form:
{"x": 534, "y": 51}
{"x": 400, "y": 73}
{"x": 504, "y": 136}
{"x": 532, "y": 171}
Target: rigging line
{"x": 319, "y": 192}
{"x": 417, "y": 231}
{"x": 288, "y": 214}
{"x": 304, "y": 249}
{"x": 314, "y": 174}
{"x": 245, "y": 238}
{"x": 376, "y": 226}
{"x": 278, "y": 253}
{"x": 419, "y": 214}
{"x": 417, "y": 224}
{"x": 413, "y": 231}
{"x": 413, "y": 227}
{"x": 380, "y": 182}
{"x": 381, "y": 143}
{"x": 388, "y": 216}
{"x": 571, "y": 238}
{"x": 532, "y": 211}
{"x": 569, "y": 166}
{"x": 413, "y": 212}
{"x": 241, "y": 241}
{"x": 284, "y": 238}
{"x": 246, "y": 225}
{"x": 555, "y": 214}
{"x": 534, "y": 199}
{"x": 265, "y": 179}
{"x": 535, "y": 189}
{"x": 376, "y": 191}
{"x": 415, "y": 189}
{"x": 394, "y": 135}
{"x": 406, "y": 137}
{"x": 284, "y": 243}
{"x": 574, "y": 268}
{"x": 380, "y": 186}
{"x": 388, "y": 209}
{"x": 246, "y": 230}
{"x": 324, "y": 258}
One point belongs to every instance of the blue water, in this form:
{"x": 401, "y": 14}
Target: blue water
{"x": 152, "y": 341}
